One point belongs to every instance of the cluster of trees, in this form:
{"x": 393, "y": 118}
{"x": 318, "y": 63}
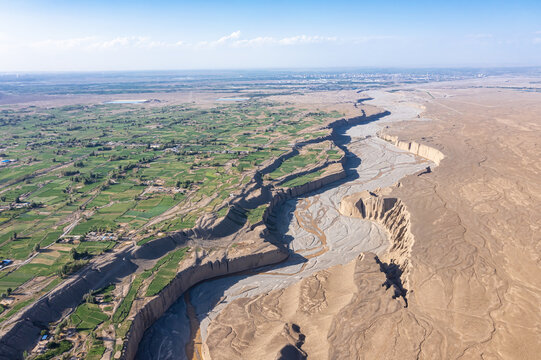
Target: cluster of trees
{"x": 186, "y": 184}
{"x": 87, "y": 179}
{"x": 7, "y": 293}
{"x": 70, "y": 172}
{"x": 93, "y": 144}
{"x": 134, "y": 165}
{"x": 55, "y": 348}
{"x": 75, "y": 255}
{"x": 71, "y": 267}
{"x": 117, "y": 157}
{"x": 103, "y": 228}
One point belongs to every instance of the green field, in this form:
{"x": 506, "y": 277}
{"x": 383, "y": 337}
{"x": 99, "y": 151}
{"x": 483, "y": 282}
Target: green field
{"x": 88, "y": 180}
{"x": 308, "y": 156}
{"x": 87, "y": 317}
{"x": 293, "y": 164}
{"x": 256, "y": 215}
{"x": 301, "y": 180}
{"x": 167, "y": 270}
{"x": 125, "y": 306}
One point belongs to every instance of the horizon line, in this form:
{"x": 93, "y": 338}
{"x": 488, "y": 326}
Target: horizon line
{"x": 287, "y": 69}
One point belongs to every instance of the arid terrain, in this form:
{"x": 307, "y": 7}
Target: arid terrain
{"x": 471, "y": 279}
{"x": 270, "y": 180}
{"x": 274, "y": 219}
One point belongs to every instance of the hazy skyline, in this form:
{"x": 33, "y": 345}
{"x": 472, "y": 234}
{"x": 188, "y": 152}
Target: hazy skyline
{"x": 135, "y": 35}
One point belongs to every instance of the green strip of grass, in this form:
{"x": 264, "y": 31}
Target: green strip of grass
{"x": 124, "y": 308}
{"x": 256, "y": 215}
{"x": 166, "y": 272}
{"x": 96, "y": 351}
{"x": 301, "y": 180}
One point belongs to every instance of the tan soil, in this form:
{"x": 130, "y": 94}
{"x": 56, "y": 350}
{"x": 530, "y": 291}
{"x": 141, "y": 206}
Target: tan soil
{"x": 474, "y": 288}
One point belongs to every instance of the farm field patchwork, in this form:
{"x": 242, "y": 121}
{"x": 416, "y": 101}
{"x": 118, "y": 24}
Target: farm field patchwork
{"x": 86, "y": 180}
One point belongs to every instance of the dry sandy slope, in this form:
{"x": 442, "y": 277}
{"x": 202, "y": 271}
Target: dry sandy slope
{"x": 476, "y": 219}
{"x": 475, "y": 287}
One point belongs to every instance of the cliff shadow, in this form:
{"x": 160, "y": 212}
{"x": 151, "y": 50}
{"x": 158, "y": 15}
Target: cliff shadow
{"x": 205, "y": 296}
{"x": 155, "y": 249}
{"x": 352, "y": 162}
{"x": 394, "y": 278}
{"x": 291, "y": 352}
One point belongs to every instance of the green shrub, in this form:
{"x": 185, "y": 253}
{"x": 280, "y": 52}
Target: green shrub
{"x": 54, "y": 349}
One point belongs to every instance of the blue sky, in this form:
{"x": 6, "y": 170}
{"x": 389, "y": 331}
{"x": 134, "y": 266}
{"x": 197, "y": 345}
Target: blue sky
{"x": 136, "y": 35}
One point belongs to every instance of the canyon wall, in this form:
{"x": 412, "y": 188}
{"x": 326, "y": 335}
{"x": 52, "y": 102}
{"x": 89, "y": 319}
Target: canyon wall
{"x": 392, "y": 214}
{"x": 277, "y": 197}
{"x": 414, "y": 147}
{"x": 188, "y": 277}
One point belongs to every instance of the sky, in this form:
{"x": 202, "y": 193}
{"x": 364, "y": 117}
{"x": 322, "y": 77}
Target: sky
{"x": 101, "y": 35}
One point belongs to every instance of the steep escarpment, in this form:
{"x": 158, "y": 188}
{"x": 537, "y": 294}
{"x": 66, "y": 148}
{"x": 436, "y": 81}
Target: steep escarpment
{"x": 198, "y": 270}
{"x": 423, "y": 150}
{"x": 393, "y": 215}
{"x": 474, "y": 284}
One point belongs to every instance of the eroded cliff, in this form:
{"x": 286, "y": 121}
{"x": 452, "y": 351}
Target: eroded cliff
{"x": 392, "y": 214}
{"x": 423, "y": 150}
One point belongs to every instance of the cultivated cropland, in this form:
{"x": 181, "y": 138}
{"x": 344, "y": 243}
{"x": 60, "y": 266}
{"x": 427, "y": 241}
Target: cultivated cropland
{"x": 271, "y": 215}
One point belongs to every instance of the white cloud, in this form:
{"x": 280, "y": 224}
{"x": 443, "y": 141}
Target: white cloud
{"x": 234, "y": 39}
{"x": 132, "y": 41}
{"x": 94, "y": 43}
{"x": 232, "y": 36}
{"x": 221, "y": 41}
{"x": 537, "y": 40}
{"x": 258, "y": 41}
{"x": 293, "y": 40}
{"x": 304, "y": 39}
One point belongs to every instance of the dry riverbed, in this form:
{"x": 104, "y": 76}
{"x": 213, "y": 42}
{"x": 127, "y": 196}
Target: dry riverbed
{"x": 317, "y": 235}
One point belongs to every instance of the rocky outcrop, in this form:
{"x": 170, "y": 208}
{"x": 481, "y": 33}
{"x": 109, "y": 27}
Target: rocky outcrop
{"x": 393, "y": 215}
{"x": 414, "y": 147}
